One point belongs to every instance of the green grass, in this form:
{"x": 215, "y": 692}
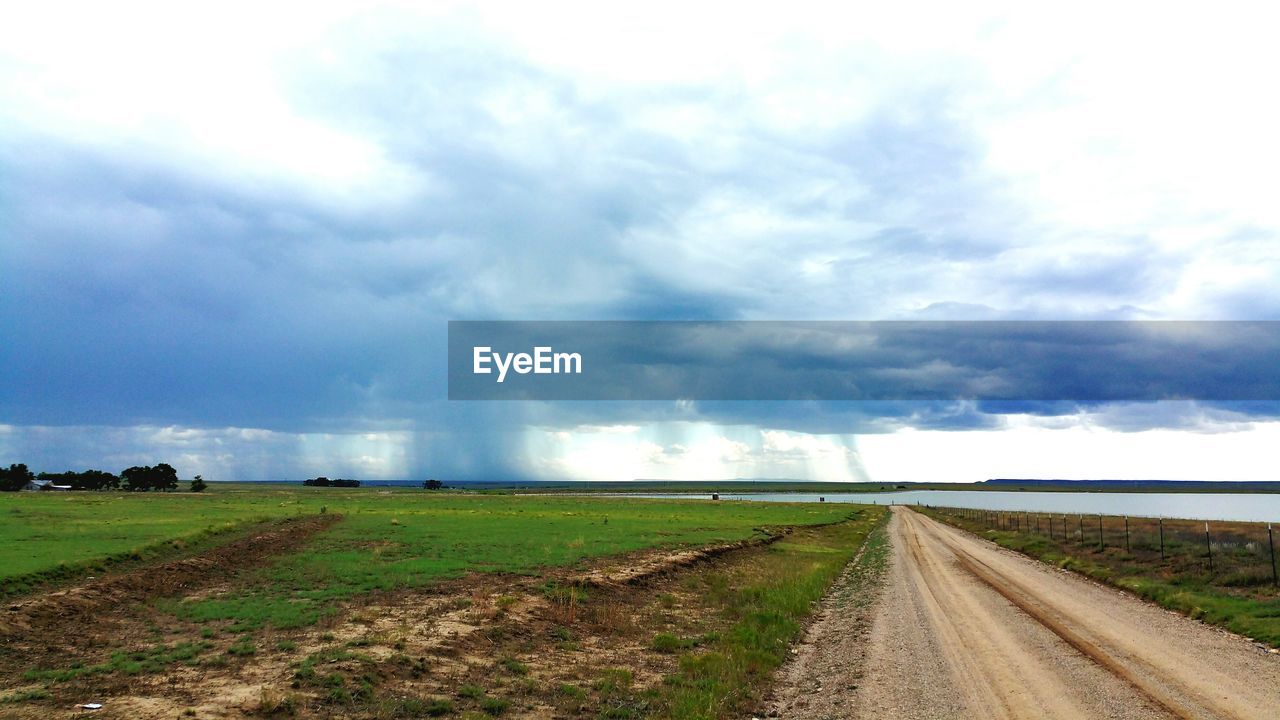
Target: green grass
{"x": 48, "y": 537}
{"x": 515, "y": 667}
{"x": 494, "y": 705}
{"x": 40, "y": 531}
{"x": 436, "y": 707}
{"x": 387, "y": 539}
{"x": 153, "y": 660}
{"x": 444, "y": 536}
{"x": 668, "y": 643}
{"x": 1240, "y": 600}
{"x": 767, "y": 603}
{"x": 25, "y": 696}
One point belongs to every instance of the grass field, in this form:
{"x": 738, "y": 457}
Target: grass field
{"x": 1228, "y": 582}
{"x": 693, "y": 644}
{"x": 388, "y": 538}
{"x": 42, "y": 531}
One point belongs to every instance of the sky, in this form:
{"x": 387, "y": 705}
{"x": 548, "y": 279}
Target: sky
{"x": 231, "y": 237}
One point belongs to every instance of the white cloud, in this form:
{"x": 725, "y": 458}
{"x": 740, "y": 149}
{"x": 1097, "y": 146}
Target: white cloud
{"x": 692, "y": 451}
{"x": 1032, "y": 448}
{"x": 344, "y": 174}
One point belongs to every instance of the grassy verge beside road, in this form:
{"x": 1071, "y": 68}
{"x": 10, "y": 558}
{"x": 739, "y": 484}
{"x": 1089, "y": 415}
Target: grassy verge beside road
{"x": 1225, "y": 579}
{"x": 766, "y": 603}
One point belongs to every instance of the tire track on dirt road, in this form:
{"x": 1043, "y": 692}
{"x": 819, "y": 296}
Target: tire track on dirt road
{"x": 965, "y": 629}
{"x": 1187, "y": 669}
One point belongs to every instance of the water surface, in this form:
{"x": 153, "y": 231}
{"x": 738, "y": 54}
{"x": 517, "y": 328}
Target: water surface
{"x": 1195, "y": 506}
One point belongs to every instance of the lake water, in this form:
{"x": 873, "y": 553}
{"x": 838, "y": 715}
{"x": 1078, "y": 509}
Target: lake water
{"x": 1194, "y": 506}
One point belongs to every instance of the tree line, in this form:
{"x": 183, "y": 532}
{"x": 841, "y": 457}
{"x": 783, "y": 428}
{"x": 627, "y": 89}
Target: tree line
{"x": 139, "y": 478}
{"x": 326, "y": 482}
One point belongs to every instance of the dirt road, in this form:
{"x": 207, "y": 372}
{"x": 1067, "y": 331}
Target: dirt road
{"x": 965, "y": 629}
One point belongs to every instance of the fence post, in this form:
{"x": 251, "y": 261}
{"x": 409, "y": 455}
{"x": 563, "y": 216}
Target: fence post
{"x": 1208, "y": 548}
{"x": 1082, "y": 530}
{"x": 1161, "y": 521}
{"x": 1271, "y": 543}
{"x": 1102, "y": 541}
{"x": 1126, "y": 533}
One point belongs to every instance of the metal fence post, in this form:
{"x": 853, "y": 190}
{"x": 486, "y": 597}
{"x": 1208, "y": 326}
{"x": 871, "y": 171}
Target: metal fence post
{"x": 1208, "y": 547}
{"x": 1102, "y": 540}
{"x": 1271, "y": 543}
{"x": 1082, "y": 530}
{"x": 1126, "y": 533}
{"x": 1161, "y": 521}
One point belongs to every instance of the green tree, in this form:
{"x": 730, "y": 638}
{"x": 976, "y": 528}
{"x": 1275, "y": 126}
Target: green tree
{"x": 136, "y": 478}
{"x": 86, "y": 480}
{"x": 198, "y": 484}
{"x": 15, "y": 477}
{"x": 166, "y": 478}
{"x": 99, "y": 480}
{"x": 144, "y": 478}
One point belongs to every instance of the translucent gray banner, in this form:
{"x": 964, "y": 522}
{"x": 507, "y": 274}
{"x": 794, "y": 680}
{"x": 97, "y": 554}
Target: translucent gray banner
{"x": 882, "y": 361}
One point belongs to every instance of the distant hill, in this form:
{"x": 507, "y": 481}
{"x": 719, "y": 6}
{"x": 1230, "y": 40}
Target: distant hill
{"x": 1227, "y": 486}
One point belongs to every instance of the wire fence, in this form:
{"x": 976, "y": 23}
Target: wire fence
{"x": 1227, "y": 553}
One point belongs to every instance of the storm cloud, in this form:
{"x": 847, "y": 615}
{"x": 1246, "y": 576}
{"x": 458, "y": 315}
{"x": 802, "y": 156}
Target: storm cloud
{"x": 237, "y": 237}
